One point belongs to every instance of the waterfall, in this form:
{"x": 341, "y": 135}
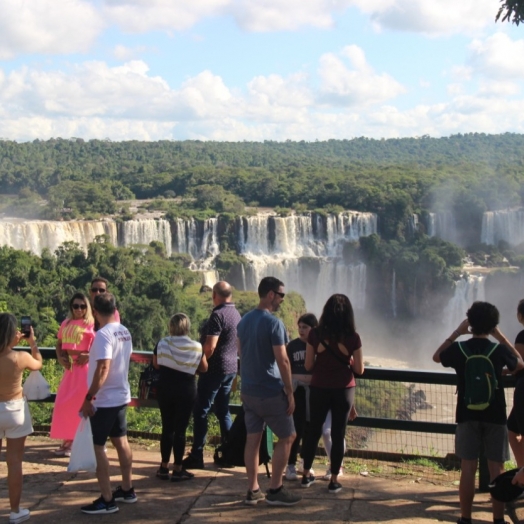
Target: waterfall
{"x": 442, "y": 224}
{"x": 394, "y": 294}
{"x": 467, "y": 290}
{"x": 199, "y": 240}
{"x": 305, "y": 252}
{"x": 36, "y": 235}
{"x": 431, "y": 225}
{"x": 145, "y": 231}
{"x": 505, "y": 224}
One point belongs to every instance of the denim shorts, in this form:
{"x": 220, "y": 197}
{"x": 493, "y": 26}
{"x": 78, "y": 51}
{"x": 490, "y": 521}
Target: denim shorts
{"x": 15, "y": 419}
{"x": 270, "y": 411}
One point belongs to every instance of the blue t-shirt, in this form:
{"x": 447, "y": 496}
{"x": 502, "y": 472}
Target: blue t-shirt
{"x": 258, "y": 332}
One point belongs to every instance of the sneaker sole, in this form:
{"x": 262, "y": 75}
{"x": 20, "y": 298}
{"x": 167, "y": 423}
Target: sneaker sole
{"x": 21, "y": 519}
{"x": 101, "y": 511}
{"x": 281, "y": 503}
{"x": 127, "y": 501}
{"x": 335, "y": 490}
{"x": 253, "y": 502}
{"x": 305, "y": 486}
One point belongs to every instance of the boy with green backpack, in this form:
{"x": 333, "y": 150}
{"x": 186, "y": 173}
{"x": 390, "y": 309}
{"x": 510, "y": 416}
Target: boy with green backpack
{"x": 481, "y": 404}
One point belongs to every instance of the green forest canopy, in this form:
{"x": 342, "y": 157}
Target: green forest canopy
{"x": 394, "y": 178}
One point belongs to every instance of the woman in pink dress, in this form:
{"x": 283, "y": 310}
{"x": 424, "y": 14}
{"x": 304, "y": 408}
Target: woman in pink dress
{"x": 75, "y": 337}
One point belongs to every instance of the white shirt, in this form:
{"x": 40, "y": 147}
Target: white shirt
{"x": 112, "y": 342}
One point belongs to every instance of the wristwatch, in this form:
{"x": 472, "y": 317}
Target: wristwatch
{"x": 90, "y": 397}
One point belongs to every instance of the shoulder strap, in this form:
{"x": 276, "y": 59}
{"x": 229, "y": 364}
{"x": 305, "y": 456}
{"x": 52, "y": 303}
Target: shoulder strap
{"x": 490, "y": 352}
{"x": 466, "y": 353}
{"x": 334, "y": 353}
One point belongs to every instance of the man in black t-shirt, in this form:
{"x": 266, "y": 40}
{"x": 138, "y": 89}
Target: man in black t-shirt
{"x": 487, "y": 426}
{"x": 219, "y": 343}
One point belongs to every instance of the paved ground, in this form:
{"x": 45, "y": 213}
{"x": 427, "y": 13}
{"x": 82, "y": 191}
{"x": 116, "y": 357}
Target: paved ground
{"x": 214, "y": 496}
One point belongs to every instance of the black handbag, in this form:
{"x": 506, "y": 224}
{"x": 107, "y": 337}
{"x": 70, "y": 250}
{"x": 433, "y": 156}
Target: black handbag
{"x": 148, "y": 383}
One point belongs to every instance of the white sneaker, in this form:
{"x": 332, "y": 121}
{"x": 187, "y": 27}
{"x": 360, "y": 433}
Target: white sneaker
{"x": 291, "y": 472}
{"x": 22, "y": 515}
{"x": 327, "y": 476}
{"x": 300, "y": 468}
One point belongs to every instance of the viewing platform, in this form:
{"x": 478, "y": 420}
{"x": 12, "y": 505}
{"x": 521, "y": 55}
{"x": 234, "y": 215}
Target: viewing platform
{"x": 216, "y": 495}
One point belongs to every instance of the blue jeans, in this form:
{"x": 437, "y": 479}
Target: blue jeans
{"x": 211, "y": 388}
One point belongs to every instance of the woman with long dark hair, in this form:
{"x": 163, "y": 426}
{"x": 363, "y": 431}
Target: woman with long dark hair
{"x": 15, "y": 419}
{"x": 75, "y": 336}
{"x": 334, "y": 354}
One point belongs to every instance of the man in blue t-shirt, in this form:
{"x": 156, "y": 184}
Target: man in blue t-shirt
{"x": 266, "y": 391}
{"x": 219, "y": 343}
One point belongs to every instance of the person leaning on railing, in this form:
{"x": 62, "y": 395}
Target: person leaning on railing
{"x": 15, "y": 419}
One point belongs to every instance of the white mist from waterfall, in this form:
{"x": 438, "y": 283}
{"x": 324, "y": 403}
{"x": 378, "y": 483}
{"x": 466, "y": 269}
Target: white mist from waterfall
{"x": 467, "y": 290}
{"x": 505, "y": 224}
{"x": 306, "y": 254}
{"x": 442, "y": 224}
{"x": 394, "y": 294}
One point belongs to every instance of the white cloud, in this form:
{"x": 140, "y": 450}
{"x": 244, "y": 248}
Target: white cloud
{"x": 497, "y": 57}
{"x": 124, "y": 53}
{"x": 47, "y": 27}
{"x": 360, "y": 85}
{"x": 431, "y": 17}
{"x": 139, "y": 16}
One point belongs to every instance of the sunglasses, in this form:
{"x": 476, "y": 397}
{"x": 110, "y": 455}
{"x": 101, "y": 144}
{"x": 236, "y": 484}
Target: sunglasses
{"x": 281, "y": 295}
{"x": 79, "y": 306}
{"x": 98, "y": 290}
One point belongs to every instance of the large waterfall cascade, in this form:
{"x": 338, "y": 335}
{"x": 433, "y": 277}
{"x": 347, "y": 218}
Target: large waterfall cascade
{"x": 467, "y": 290}
{"x": 304, "y": 251}
{"x": 442, "y": 224}
{"x": 504, "y": 224}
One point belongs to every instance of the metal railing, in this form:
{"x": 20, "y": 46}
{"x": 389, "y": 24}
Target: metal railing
{"x": 405, "y": 376}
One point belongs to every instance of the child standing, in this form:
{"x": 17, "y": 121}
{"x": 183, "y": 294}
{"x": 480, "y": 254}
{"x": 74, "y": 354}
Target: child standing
{"x": 476, "y": 425}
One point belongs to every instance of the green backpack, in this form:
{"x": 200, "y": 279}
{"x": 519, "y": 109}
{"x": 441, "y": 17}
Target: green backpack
{"x": 481, "y": 381}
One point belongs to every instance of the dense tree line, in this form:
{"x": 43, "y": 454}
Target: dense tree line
{"x": 149, "y": 288}
{"x": 394, "y": 178}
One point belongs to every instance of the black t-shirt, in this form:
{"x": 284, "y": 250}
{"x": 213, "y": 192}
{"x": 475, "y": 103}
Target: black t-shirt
{"x": 520, "y": 340}
{"x": 452, "y": 357}
{"x": 296, "y": 352}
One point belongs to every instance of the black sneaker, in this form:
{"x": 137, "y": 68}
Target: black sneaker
{"x": 162, "y": 473}
{"x": 307, "y": 481}
{"x": 178, "y": 476}
{"x": 100, "y": 507}
{"x": 121, "y": 495}
{"x": 334, "y": 487}
{"x": 192, "y": 462}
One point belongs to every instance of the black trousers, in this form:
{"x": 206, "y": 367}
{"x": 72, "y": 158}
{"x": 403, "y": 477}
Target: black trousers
{"x": 175, "y": 401}
{"x": 300, "y": 420}
{"x": 339, "y": 401}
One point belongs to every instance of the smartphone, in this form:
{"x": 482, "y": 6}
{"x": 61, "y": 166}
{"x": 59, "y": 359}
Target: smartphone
{"x": 25, "y": 323}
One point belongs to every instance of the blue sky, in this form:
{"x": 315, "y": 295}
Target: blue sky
{"x": 257, "y": 69}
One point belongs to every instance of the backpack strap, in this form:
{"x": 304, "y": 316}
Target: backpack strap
{"x": 495, "y": 346}
{"x": 466, "y": 353}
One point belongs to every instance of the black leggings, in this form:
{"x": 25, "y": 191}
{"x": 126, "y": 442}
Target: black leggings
{"x": 339, "y": 401}
{"x": 176, "y": 405}
{"x": 300, "y": 420}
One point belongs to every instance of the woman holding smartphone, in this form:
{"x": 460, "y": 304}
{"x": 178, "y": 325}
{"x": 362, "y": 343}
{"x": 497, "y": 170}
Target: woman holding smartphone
{"x": 75, "y": 336}
{"x": 15, "y": 419}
